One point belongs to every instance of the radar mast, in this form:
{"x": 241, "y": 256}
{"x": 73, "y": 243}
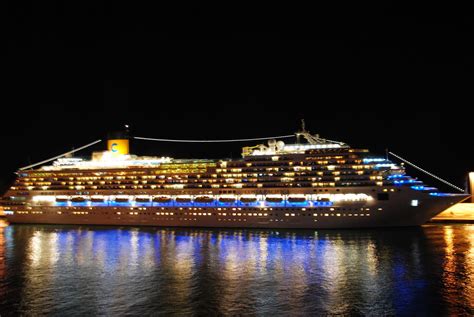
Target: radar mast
{"x": 313, "y": 139}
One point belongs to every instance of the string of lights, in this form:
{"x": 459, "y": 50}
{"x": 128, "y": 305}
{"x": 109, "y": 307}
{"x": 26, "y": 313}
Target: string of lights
{"x": 426, "y": 172}
{"x": 59, "y": 156}
{"x": 214, "y": 141}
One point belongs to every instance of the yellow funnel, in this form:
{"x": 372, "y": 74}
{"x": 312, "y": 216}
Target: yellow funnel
{"x": 118, "y": 146}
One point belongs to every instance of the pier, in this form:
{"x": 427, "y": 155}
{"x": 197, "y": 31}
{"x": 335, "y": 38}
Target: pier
{"x": 463, "y": 212}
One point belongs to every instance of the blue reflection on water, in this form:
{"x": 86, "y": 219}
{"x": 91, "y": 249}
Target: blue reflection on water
{"x": 110, "y": 270}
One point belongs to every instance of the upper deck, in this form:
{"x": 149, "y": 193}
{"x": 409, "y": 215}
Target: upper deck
{"x": 319, "y": 163}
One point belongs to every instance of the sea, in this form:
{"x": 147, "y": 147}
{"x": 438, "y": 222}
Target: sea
{"x": 59, "y": 270}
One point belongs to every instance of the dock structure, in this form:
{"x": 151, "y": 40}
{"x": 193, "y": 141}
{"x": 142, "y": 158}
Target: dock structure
{"x": 463, "y": 212}
{"x": 471, "y": 185}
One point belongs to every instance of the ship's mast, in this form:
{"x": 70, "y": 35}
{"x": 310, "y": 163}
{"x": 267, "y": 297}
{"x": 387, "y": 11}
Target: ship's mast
{"x": 313, "y": 139}
{"x": 298, "y": 134}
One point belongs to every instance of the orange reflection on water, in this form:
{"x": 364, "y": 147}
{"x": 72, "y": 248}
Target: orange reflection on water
{"x": 458, "y": 262}
{"x": 3, "y": 270}
{"x": 262, "y": 272}
{"x": 470, "y": 265}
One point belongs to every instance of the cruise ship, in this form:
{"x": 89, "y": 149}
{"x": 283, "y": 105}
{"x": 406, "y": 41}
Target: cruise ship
{"x": 313, "y": 183}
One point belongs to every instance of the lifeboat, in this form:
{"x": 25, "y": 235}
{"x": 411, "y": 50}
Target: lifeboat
{"x": 161, "y": 199}
{"x": 323, "y": 199}
{"x": 296, "y": 199}
{"x": 274, "y": 198}
{"x": 248, "y": 199}
{"x": 142, "y": 199}
{"x": 97, "y": 199}
{"x": 227, "y": 199}
{"x": 61, "y": 199}
{"x": 122, "y": 199}
{"x": 78, "y": 199}
{"x": 183, "y": 199}
{"x": 204, "y": 199}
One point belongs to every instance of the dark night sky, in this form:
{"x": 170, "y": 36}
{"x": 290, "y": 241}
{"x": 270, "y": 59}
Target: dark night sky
{"x": 375, "y": 76}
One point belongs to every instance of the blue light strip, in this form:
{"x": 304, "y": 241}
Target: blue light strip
{"x": 374, "y": 159}
{"x": 442, "y": 194}
{"x": 384, "y": 165}
{"x": 409, "y": 181}
{"x": 215, "y": 203}
{"x": 396, "y": 176}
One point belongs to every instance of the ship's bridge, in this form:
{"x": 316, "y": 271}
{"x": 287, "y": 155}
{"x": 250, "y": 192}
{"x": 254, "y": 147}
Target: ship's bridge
{"x": 314, "y": 142}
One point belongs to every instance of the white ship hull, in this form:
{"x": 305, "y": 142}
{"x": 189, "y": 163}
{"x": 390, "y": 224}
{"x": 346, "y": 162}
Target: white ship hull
{"x": 404, "y": 208}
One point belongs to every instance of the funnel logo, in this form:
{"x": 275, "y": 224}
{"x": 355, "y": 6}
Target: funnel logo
{"x": 113, "y": 147}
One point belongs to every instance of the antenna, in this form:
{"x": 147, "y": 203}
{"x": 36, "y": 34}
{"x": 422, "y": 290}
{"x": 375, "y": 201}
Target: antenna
{"x": 314, "y": 139}
{"x": 300, "y": 132}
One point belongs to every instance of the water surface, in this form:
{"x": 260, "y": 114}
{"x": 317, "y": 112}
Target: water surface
{"x": 79, "y": 270}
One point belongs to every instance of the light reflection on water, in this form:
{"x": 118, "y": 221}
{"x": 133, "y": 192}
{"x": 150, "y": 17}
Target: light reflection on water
{"x": 78, "y": 270}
